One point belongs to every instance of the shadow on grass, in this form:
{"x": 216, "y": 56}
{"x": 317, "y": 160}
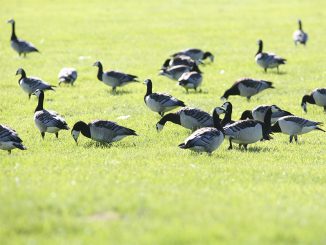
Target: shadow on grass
{"x": 119, "y": 92}
{"x": 94, "y": 144}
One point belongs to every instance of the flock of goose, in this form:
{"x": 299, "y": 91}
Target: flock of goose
{"x": 209, "y": 131}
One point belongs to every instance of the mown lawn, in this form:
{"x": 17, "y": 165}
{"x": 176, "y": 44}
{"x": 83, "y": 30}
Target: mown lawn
{"x": 145, "y": 190}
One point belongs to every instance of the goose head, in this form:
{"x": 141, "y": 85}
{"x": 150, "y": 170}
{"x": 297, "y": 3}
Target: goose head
{"x": 78, "y": 127}
{"x": 219, "y": 110}
{"x": 11, "y": 21}
{"x": 305, "y": 99}
{"x": 38, "y": 93}
{"x": 20, "y": 71}
{"x": 208, "y": 55}
{"x": 98, "y": 64}
{"x": 227, "y": 106}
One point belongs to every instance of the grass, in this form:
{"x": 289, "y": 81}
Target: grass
{"x": 145, "y": 190}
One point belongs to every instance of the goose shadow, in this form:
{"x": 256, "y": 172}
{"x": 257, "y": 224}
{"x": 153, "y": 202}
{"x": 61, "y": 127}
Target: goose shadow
{"x": 119, "y": 92}
{"x": 102, "y": 145}
{"x": 281, "y": 73}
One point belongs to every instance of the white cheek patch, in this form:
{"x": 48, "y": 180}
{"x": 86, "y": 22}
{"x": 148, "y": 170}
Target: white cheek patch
{"x": 75, "y": 134}
{"x": 159, "y": 127}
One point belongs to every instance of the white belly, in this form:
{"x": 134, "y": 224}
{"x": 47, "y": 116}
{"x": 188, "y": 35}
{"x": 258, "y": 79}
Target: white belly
{"x": 8, "y": 145}
{"x": 156, "y": 106}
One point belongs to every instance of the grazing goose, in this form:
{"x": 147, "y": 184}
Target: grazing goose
{"x": 268, "y": 60}
{"x": 247, "y": 87}
{"x": 67, "y": 75}
{"x": 227, "y": 107}
{"x": 31, "y": 84}
{"x": 47, "y": 121}
{"x": 249, "y": 131}
{"x": 317, "y": 97}
{"x": 299, "y": 36}
{"x": 101, "y": 131}
{"x": 196, "y": 54}
{"x": 160, "y": 102}
{"x": 9, "y": 139}
{"x": 19, "y": 45}
{"x": 295, "y": 126}
{"x": 205, "y": 139}
{"x": 114, "y": 78}
{"x": 190, "y": 118}
{"x": 190, "y": 80}
{"x": 258, "y": 113}
{"x": 179, "y": 60}
{"x": 175, "y": 72}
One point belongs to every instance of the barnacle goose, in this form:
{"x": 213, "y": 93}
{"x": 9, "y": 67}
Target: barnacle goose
{"x": 190, "y": 80}
{"x": 299, "y": 36}
{"x": 19, "y": 45}
{"x": 317, "y": 97}
{"x": 160, "y": 102}
{"x": 31, "y": 84}
{"x": 249, "y": 131}
{"x": 258, "y": 113}
{"x": 295, "y": 126}
{"x": 47, "y": 121}
{"x": 179, "y": 60}
{"x": 195, "y": 54}
{"x": 247, "y": 87}
{"x": 206, "y": 139}
{"x": 175, "y": 72}
{"x": 101, "y": 130}
{"x": 190, "y": 118}
{"x": 67, "y": 75}
{"x": 114, "y": 79}
{"x": 268, "y": 60}
{"x": 9, "y": 139}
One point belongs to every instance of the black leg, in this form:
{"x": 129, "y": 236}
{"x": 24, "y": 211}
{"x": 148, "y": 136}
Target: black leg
{"x": 230, "y": 147}
{"x": 240, "y": 146}
{"x": 9, "y": 152}
{"x": 57, "y": 134}
{"x": 29, "y": 96}
{"x": 113, "y": 89}
{"x": 291, "y": 138}
{"x": 265, "y": 69}
{"x": 245, "y": 146}
{"x": 296, "y": 138}
{"x": 42, "y": 134}
{"x": 248, "y": 98}
{"x": 24, "y": 55}
{"x": 325, "y": 109}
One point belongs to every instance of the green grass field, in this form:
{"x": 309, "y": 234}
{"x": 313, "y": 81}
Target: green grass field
{"x": 145, "y": 190}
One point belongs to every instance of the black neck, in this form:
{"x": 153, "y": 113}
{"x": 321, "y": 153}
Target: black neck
{"x": 85, "y": 130}
{"x": 216, "y": 121}
{"x": 13, "y": 33}
{"x": 149, "y": 88}
{"x": 23, "y": 75}
{"x": 39, "y": 106}
{"x": 308, "y": 99}
{"x": 228, "y": 115}
{"x": 260, "y": 48}
{"x": 267, "y": 119}
{"x": 276, "y": 128}
{"x": 300, "y": 25}
{"x": 100, "y": 72}
{"x": 171, "y": 117}
{"x": 166, "y": 63}
{"x": 246, "y": 115}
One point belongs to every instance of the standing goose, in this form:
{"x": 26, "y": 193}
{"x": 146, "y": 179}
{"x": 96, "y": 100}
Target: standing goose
{"x": 247, "y": 87}
{"x": 190, "y": 118}
{"x": 19, "y": 45}
{"x": 299, "y": 36}
{"x": 47, "y": 121}
{"x": 249, "y": 131}
{"x": 114, "y": 79}
{"x": 317, "y": 97}
{"x": 67, "y": 75}
{"x": 205, "y": 139}
{"x": 31, "y": 84}
{"x": 268, "y": 60}
{"x": 101, "y": 131}
{"x": 196, "y": 54}
{"x": 295, "y": 126}
{"x": 258, "y": 113}
{"x": 175, "y": 72}
{"x": 190, "y": 80}
{"x": 160, "y": 102}
{"x": 9, "y": 139}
